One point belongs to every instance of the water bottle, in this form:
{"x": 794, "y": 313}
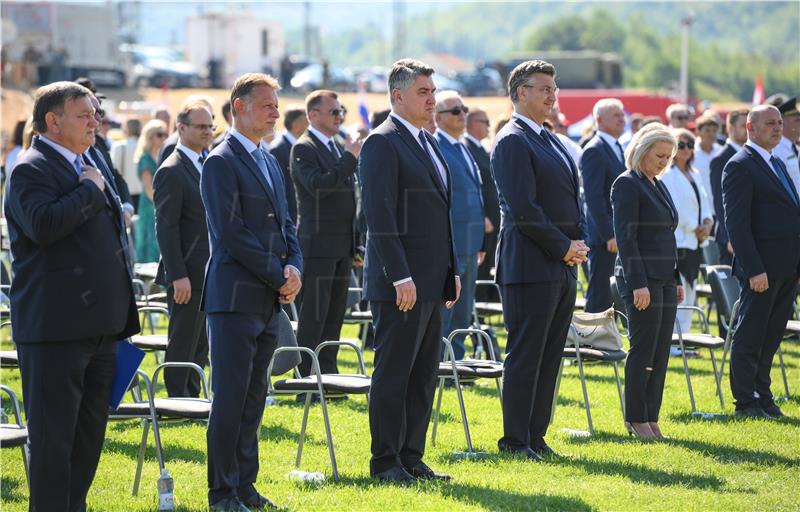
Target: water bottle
{"x": 166, "y": 491}
{"x": 304, "y": 476}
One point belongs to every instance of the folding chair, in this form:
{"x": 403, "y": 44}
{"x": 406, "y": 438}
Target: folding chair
{"x": 581, "y": 355}
{"x": 465, "y": 370}
{"x": 355, "y": 315}
{"x": 151, "y": 342}
{"x": 154, "y": 411}
{"x": 486, "y": 310}
{"x": 13, "y": 435}
{"x": 8, "y": 358}
{"x": 323, "y": 385}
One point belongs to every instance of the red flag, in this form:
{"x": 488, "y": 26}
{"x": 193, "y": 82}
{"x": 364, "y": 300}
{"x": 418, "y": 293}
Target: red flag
{"x": 758, "y": 92}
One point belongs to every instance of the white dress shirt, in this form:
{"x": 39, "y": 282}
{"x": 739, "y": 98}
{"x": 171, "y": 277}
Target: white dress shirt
{"x": 325, "y": 140}
{"x": 192, "y": 155}
{"x": 686, "y": 205}
{"x": 612, "y": 143}
{"x": 786, "y": 153}
{"x": 702, "y": 162}
{"x": 536, "y": 127}
{"x": 66, "y": 153}
{"x": 465, "y": 154}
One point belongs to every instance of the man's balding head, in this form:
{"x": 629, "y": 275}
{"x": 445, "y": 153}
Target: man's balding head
{"x": 765, "y": 126}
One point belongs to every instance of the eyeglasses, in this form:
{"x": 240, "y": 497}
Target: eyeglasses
{"x": 682, "y": 117}
{"x": 161, "y": 135}
{"x": 100, "y": 113}
{"x": 336, "y": 112}
{"x": 547, "y": 90}
{"x": 456, "y": 110}
{"x": 210, "y": 127}
{"x": 685, "y": 145}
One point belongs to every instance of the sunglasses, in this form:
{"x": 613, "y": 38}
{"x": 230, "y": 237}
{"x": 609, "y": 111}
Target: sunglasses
{"x": 685, "y": 145}
{"x": 161, "y": 135}
{"x": 456, "y": 110}
{"x": 682, "y": 117}
{"x": 336, "y": 112}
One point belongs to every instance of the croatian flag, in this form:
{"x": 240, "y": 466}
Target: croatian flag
{"x": 363, "y": 111}
{"x": 758, "y": 93}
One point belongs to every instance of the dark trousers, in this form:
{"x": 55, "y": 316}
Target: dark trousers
{"x": 403, "y": 382}
{"x": 188, "y": 343}
{"x": 66, "y": 387}
{"x": 759, "y": 331}
{"x": 601, "y": 268}
{"x": 537, "y": 318}
{"x": 325, "y": 283}
{"x": 460, "y": 315}
{"x": 241, "y": 347}
{"x": 488, "y": 293}
{"x": 651, "y": 337}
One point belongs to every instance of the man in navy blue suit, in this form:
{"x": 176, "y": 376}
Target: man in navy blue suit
{"x": 467, "y": 210}
{"x": 409, "y": 272}
{"x": 601, "y": 162}
{"x": 541, "y": 241}
{"x": 255, "y": 266}
{"x": 762, "y": 214}
{"x": 71, "y": 298}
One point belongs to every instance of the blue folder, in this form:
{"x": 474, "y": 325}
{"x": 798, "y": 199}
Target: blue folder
{"x": 129, "y": 358}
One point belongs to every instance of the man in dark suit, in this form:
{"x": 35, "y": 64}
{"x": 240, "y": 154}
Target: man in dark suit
{"x": 541, "y": 241}
{"x": 226, "y": 114}
{"x": 183, "y": 239}
{"x": 762, "y": 214}
{"x": 255, "y": 266}
{"x": 466, "y": 211}
{"x": 409, "y": 271}
{"x": 477, "y": 130}
{"x": 295, "y": 122}
{"x": 71, "y": 298}
{"x": 601, "y": 162}
{"x": 323, "y": 173}
{"x": 171, "y": 142}
{"x": 737, "y": 136}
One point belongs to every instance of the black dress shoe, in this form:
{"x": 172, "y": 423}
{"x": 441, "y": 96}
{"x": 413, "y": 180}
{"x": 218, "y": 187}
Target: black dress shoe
{"x": 301, "y": 398}
{"x": 395, "y": 475}
{"x": 522, "y": 452}
{"x": 259, "y": 502}
{"x": 421, "y": 471}
{"x": 752, "y": 412}
{"x": 541, "y": 448}
{"x": 774, "y": 411}
{"x": 228, "y": 505}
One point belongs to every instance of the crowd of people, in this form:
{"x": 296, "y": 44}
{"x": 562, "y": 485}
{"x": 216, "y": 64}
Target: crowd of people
{"x": 252, "y": 220}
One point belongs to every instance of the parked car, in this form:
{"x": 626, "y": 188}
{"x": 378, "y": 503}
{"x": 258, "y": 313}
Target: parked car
{"x": 481, "y": 82}
{"x": 375, "y": 79}
{"x": 310, "y": 78}
{"x": 155, "y": 66}
{"x": 444, "y": 83}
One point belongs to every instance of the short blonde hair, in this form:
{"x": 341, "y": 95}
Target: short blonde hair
{"x": 145, "y": 143}
{"x": 643, "y": 142}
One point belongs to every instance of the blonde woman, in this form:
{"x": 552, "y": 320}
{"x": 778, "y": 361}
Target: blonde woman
{"x": 645, "y": 219}
{"x": 150, "y": 142}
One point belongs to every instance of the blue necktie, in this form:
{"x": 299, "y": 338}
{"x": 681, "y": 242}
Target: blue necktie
{"x": 262, "y": 164}
{"x": 78, "y": 165}
{"x": 465, "y": 154}
{"x": 782, "y": 176}
{"x": 621, "y": 153}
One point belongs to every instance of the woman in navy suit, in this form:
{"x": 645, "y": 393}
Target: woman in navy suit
{"x": 645, "y": 219}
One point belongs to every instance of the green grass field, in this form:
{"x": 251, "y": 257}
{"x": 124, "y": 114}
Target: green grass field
{"x": 722, "y": 464}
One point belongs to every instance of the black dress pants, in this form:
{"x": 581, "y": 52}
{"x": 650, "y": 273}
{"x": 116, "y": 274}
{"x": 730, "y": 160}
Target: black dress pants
{"x": 242, "y": 345}
{"x": 188, "y": 343}
{"x": 759, "y": 331}
{"x": 537, "y": 318}
{"x": 403, "y": 382}
{"x": 66, "y": 386}
{"x": 651, "y": 337}
{"x": 325, "y": 283}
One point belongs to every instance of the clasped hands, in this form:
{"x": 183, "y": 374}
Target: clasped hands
{"x": 291, "y": 287}
{"x": 577, "y": 253}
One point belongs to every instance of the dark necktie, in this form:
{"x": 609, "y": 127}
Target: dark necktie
{"x": 548, "y": 139}
{"x": 333, "y": 150}
{"x": 424, "y": 141}
{"x": 620, "y": 152}
{"x": 201, "y": 159}
{"x": 783, "y": 177}
{"x": 795, "y": 151}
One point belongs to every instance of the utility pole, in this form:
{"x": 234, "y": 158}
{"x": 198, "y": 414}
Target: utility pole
{"x": 398, "y": 9}
{"x": 686, "y": 25}
{"x": 307, "y": 29}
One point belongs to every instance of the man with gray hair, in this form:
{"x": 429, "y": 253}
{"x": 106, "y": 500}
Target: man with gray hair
{"x": 541, "y": 242}
{"x": 409, "y": 271}
{"x": 678, "y": 115}
{"x": 762, "y": 215}
{"x": 602, "y": 161}
{"x": 467, "y": 210}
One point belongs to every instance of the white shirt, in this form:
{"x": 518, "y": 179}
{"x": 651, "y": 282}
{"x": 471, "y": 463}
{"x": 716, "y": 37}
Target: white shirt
{"x": 612, "y": 143}
{"x": 291, "y": 138}
{"x": 464, "y": 152}
{"x": 686, "y": 205}
{"x": 538, "y": 129}
{"x": 787, "y": 155}
{"x": 732, "y": 144}
{"x": 467, "y": 136}
{"x": 122, "y": 156}
{"x": 193, "y": 156}
{"x": 250, "y": 146}
{"x": 324, "y": 139}
{"x": 702, "y": 162}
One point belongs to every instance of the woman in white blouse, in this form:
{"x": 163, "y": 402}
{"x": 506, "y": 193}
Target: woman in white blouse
{"x": 694, "y": 218}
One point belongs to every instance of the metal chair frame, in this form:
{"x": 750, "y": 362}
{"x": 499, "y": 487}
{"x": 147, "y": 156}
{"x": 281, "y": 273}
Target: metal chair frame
{"x": 26, "y": 454}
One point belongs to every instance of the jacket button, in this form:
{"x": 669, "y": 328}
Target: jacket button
{"x": 283, "y": 256}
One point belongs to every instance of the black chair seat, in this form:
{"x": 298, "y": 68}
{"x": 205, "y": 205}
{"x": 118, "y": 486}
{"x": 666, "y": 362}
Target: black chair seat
{"x": 472, "y": 369}
{"x": 191, "y": 408}
{"x": 9, "y": 359}
{"x": 150, "y": 342}
{"x": 699, "y": 340}
{"x": 489, "y": 308}
{"x": 703, "y": 290}
{"x": 793, "y": 326}
{"x": 593, "y": 354}
{"x": 12, "y": 436}
{"x": 335, "y": 383}
{"x": 358, "y": 316}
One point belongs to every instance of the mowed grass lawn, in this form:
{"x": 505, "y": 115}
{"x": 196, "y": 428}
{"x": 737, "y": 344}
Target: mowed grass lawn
{"x": 722, "y": 464}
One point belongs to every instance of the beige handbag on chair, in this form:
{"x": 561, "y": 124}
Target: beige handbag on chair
{"x": 594, "y": 330}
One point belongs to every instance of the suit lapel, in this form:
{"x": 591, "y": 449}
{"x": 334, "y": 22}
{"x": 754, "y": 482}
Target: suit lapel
{"x": 415, "y": 147}
{"x": 251, "y": 165}
{"x": 765, "y": 166}
{"x": 188, "y": 166}
{"x": 537, "y": 140}
{"x": 612, "y": 153}
{"x": 63, "y": 166}
{"x": 323, "y": 150}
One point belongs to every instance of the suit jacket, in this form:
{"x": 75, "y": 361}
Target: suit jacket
{"x": 539, "y": 203}
{"x": 251, "y": 236}
{"x": 101, "y": 146}
{"x": 219, "y": 139}
{"x": 600, "y": 166}
{"x": 715, "y": 176}
{"x": 491, "y": 205}
{"x": 180, "y": 221}
{"x": 408, "y": 216}
{"x": 326, "y": 198}
{"x": 762, "y": 220}
{"x": 72, "y": 273}
{"x": 467, "y": 205}
{"x": 281, "y": 149}
{"x": 168, "y": 147}
{"x": 645, "y": 219}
